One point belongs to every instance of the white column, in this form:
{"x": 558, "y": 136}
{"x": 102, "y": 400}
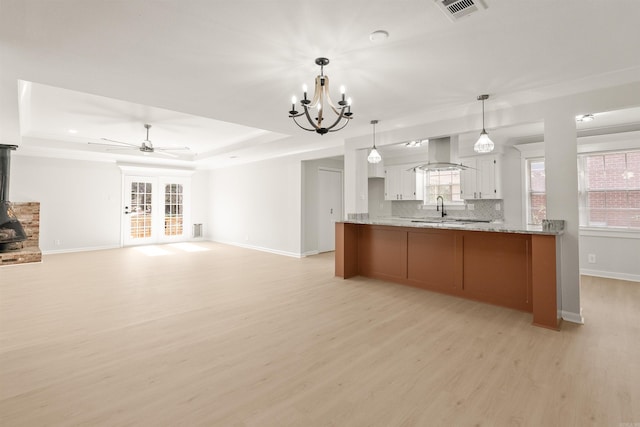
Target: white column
{"x": 561, "y": 170}
{"x": 350, "y": 180}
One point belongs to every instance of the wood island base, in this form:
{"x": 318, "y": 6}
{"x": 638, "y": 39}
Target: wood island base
{"x": 515, "y": 270}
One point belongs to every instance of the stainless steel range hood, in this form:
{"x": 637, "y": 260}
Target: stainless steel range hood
{"x": 442, "y": 155}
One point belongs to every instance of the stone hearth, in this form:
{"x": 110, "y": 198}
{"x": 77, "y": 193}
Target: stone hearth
{"x": 29, "y": 250}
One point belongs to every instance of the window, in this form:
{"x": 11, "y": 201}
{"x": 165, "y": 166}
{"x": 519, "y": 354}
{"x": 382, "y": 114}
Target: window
{"x": 610, "y": 190}
{"x": 444, "y": 183}
{"x": 536, "y": 196}
{"x": 173, "y": 218}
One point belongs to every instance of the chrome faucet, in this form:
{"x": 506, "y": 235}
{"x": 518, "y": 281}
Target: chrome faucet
{"x": 441, "y": 200}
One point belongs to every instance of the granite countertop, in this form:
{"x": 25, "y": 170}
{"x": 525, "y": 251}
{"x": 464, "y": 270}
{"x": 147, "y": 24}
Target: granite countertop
{"x": 457, "y": 224}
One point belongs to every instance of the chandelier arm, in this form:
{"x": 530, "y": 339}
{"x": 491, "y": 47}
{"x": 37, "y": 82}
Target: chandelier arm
{"x": 316, "y": 93}
{"x": 315, "y": 127}
{"x": 340, "y": 117}
{"x": 299, "y": 125}
{"x": 327, "y": 95}
{"x": 346, "y": 122}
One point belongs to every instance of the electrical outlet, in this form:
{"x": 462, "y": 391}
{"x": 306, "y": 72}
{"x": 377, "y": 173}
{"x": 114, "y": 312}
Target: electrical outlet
{"x": 592, "y": 258}
{"x": 497, "y": 206}
{"x": 57, "y": 242}
{"x": 470, "y": 206}
{"x": 246, "y": 238}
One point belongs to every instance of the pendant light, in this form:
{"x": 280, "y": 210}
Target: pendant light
{"x": 484, "y": 143}
{"x": 374, "y": 156}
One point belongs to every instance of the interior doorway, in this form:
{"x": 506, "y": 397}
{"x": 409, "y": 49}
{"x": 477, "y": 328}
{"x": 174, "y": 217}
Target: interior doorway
{"x": 329, "y": 207}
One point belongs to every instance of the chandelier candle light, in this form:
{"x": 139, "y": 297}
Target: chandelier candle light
{"x": 321, "y": 94}
{"x": 484, "y": 143}
{"x": 374, "y": 156}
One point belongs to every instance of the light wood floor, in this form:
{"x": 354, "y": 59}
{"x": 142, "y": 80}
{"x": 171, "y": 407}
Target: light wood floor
{"x": 234, "y": 337}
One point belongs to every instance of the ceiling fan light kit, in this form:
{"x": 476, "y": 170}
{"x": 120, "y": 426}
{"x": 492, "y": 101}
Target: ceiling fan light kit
{"x": 321, "y": 94}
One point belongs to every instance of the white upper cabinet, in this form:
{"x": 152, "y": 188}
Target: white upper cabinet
{"x": 482, "y": 179}
{"x": 402, "y": 183}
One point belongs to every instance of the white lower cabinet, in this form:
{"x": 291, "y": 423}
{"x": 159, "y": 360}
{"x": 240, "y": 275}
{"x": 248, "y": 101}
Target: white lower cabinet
{"x": 482, "y": 179}
{"x": 402, "y": 183}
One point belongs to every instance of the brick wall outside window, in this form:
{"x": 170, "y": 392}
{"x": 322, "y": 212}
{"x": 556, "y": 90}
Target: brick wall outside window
{"x": 610, "y": 190}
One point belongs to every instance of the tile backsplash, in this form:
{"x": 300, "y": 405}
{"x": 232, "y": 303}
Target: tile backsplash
{"x": 485, "y": 209}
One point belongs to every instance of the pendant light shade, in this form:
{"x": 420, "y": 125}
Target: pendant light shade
{"x": 374, "y": 156}
{"x": 484, "y": 144}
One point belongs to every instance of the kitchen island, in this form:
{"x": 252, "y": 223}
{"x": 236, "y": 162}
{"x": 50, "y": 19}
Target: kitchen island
{"x": 509, "y": 266}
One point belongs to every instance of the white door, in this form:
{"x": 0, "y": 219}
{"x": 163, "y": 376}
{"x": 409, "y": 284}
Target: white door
{"x": 155, "y": 210}
{"x": 330, "y": 207}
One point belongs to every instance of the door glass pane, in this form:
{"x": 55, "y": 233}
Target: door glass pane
{"x": 140, "y": 216}
{"x": 173, "y": 219}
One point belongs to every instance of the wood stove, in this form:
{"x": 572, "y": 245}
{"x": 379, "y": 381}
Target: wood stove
{"x": 11, "y": 231}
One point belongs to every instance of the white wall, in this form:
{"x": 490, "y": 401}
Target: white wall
{"x": 310, "y": 198}
{"x": 79, "y": 200}
{"x": 511, "y": 186}
{"x": 616, "y": 257}
{"x": 378, "y": 206}
{"x": 258, "y": 205}
{"x": 200, "y": 200}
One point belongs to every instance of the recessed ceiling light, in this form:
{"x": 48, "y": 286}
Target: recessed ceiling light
{"x": 585, "y": 117}
{"x": 379, "y": 36}
{"x": 233, "y": 157}
{"x": 73, "y": 131}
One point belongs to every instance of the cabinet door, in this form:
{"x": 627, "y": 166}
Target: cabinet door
{"x": 468, "y": 179}
{"x": 392, "y": 183}
{"x": 488, "y": 178}
{"x": 408, "y": 178}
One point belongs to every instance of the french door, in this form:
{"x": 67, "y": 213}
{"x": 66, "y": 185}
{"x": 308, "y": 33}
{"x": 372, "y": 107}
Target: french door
{"x": 155, "y": 210}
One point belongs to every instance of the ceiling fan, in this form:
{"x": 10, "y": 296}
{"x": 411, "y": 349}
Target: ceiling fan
{"x": 145, "y": 146}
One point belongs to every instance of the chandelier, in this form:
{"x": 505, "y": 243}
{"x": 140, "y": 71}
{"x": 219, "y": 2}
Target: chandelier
{"x": 321, "y": 94}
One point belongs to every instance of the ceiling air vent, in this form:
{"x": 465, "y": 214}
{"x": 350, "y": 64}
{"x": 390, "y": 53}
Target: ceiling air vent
{"x": 456, "y": 9}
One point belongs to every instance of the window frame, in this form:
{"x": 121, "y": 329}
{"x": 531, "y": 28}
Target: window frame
{"x": 583, "y": 192}
{"x": 587, "y": 145}
{"x": 529, "y": 192}
{"x": 451, "y": 204}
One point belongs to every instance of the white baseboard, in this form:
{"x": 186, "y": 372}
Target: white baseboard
{"x": 310, "y": 253}
{"x": 260, "y": 248}
{"x": 67, "y": 251}
{"x": 572, "y": 317}
{"x": 611, "y": 275}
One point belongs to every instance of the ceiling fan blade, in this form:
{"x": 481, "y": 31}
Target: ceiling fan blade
{"x": 119, "y": 142}
{"x": 118, "y": 149}
{"x": 103, "y": 144}
{"x": 165, "y": 154}
{"x": 172, "y": 148}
